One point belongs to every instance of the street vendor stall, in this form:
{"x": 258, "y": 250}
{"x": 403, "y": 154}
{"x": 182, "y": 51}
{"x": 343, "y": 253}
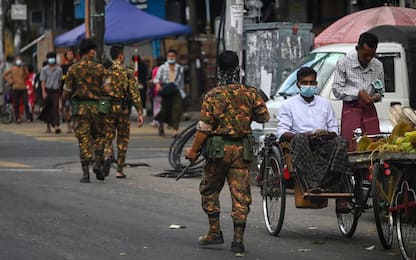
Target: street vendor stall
{"x": 391, "y": 162}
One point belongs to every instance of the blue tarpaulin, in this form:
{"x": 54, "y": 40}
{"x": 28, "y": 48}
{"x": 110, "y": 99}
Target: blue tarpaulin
{"x": 125, "y": 23}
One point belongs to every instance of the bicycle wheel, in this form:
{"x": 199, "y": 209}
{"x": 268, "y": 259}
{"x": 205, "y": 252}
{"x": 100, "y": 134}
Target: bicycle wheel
{"x": 273, "y": 192}
{"x": 347, "y": 222}
{"x": 176, "y": 150}
{"x": 172, "y": 156}
{"x": 406, "y": 220}
{"x": 6, "y": 115}
{"x": 383, "y": 187}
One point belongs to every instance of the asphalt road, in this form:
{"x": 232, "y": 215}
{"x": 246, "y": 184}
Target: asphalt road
{"x": 46, "y": 213}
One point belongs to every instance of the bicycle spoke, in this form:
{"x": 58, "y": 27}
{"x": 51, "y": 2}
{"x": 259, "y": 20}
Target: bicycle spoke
{"x": 406, "y": 219}
{"x": 273, "y": 193}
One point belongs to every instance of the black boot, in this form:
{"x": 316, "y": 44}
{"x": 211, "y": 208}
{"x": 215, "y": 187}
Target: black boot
{"x": 98, "y": 170}
{"x": 214, "y": 235}
{"x": 237, "y": 245}
{"x": 107, "y": 166}
{"x": 85, "y": 172}
{"x": 85, "y": 178}
{"x": 98, "y": 164}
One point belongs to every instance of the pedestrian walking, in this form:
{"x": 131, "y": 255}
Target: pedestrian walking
{"x": 16, "y": 77}
{"x": 156, "y": 98}
{"x": 50, "y": 77}
{"x": 359, "y": 82}
{"x": 142, "y": 74}
{"x": 37, "y": 84}
{"x": 66, "y": 114}
{"x": 169, "y": 84}
{"x": 224, "y": 128}
{"x": 84, "y": 85}
{"x": 123, "y": 92}
{"x": 30, "y": 82}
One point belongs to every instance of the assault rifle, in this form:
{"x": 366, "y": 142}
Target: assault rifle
{"x": 184, "y": 171}
{"x": 187, "y": 168}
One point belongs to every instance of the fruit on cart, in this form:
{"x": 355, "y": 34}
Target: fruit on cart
{"x": 364, "y": 142}
{"x": 410, "y": 134}
{"x": 402, "y": 139}
{"x": 401, "y": 128}
{"x": 406, "y": 147}
{"x": 389, "y": 148}
{"x": 374, "y": 145}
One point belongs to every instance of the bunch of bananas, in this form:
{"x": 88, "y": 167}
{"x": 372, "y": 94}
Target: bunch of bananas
{"x": 402, "y": 139}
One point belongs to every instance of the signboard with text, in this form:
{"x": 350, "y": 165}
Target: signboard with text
{"x": 19, "y": 12}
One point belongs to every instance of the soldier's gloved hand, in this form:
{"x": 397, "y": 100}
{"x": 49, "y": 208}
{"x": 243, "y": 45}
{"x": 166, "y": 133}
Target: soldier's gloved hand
{"x": 191, "y": 155}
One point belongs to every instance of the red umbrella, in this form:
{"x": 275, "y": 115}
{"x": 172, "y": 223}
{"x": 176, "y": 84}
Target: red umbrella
{"x": 348, "y": 28}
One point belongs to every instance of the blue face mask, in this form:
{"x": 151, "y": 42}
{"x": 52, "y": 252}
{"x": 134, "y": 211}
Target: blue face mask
{"x": 307, "y": 90}
{"x": 171, "y": 61}
{"x": 51, "y": 60}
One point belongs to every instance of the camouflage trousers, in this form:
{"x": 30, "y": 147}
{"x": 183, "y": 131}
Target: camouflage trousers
{"x": 89, "y": 129}
{"x": 117, "y": 122}
{"x": 236, "y": 171}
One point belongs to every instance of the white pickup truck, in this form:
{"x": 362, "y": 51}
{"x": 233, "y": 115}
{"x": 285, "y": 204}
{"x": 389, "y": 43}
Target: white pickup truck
{"x": 396, "y": 50}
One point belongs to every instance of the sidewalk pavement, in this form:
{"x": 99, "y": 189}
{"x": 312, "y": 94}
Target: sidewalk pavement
{"x": 38, "y": 127}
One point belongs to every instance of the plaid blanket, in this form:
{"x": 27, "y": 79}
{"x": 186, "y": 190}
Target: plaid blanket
{"x": 322, "y": 163}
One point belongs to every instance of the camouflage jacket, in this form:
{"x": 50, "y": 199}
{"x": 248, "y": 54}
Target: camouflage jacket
{"x": 85, "y": 80}
{"x": 124, "y": 86}
{"x": 230, "y": 109}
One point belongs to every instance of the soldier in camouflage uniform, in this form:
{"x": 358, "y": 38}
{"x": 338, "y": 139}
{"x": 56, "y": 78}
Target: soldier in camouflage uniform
{"x": 123, "y": 91}
{"x": 84, "y": 86}
{"x": 226, "y": 114}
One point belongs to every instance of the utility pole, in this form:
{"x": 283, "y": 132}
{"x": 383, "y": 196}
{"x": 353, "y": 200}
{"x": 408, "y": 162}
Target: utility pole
{"x": 208, "y": 19}
{"x": 193, "y": 91}
{"x": 234, "y": 11}
{"x": 18, "y": 31}
{"x": 95, "y": 24}
{"x": 87, "y": 19}
{"x": 2, "y": 60}
{"x": 98, "y": 26}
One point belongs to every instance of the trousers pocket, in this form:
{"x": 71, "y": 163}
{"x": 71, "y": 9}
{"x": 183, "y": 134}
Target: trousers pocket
{"x": 104, "y": 105}
{"x": 215, "y": 147}
{"x": 248, "y": 149}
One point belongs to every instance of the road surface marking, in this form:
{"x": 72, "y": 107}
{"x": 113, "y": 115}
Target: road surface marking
{"x": 29, "y": 170}
{"x": 13, "y": 164}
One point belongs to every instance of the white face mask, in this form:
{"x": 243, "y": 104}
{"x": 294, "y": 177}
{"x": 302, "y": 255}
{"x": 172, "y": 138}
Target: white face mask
{"x": 19, "y": 62}
{"x": 171, "y": 61}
